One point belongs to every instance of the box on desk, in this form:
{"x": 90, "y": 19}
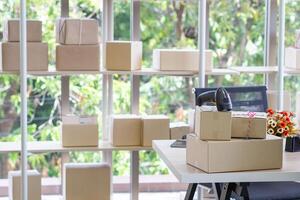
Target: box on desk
{"x": 212, "y": 125}
{"x": 37, "y": 56}
{"x": 244, "y": 126}
{"x": 78, "y": 57}
{"x": 180, "y": 59}
{"x": 34, "y": 185}
{"x": 272, "y": 100}
{"x": 125, "y": 130}
{"x": 191, "y": 120}
{"x": 123, "y": 55}
{"x": 178, "y": 130}
{"x": 234, "y": 155}
{"x": 77, "y": 31}
{"x": 86, "y": 181}
{"x": 155, "y": 127}
{"x": 79, "y": 131}
{"x": 12, "y": 26}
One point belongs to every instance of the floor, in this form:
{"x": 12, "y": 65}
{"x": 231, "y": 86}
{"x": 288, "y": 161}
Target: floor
{"x": 143, "y": 196}
{"x": 159, "y": 196}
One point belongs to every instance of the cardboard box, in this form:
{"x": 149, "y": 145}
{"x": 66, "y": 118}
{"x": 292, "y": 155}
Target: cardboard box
{"x": 191, "y": 120}
{"x": 37, "y": 56}
{"x": 212, "y": 125}
{"x": 79, "y": 131}
{"x": 292, "y": 57}
{"x": 123, "y": 55}
{"x": 77, "y": 31}
{"x": 242, "y": 126}
{"x": 34, "y": 185}
{"x": 272, "y": 100}
{"x": 155, "y": 127}
{"x": 77, "y": 57}
{"x": 126, "y": 130}
{"x": 178, "y": 130}
{"x": 87, "y": 181}
{"x": 180, "y": 60}
{"x": 234, "y": 155}
{"x": 12, "y": 26}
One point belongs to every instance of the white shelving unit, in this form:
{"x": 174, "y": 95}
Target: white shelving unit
{"x": 271, "y": 74}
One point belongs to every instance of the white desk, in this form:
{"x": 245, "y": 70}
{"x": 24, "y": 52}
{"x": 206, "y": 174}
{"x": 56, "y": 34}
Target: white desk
{"x": 175, "y": 159}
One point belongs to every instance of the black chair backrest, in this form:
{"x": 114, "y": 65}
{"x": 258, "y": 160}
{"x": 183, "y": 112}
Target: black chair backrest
{"x": 247, "y": 98}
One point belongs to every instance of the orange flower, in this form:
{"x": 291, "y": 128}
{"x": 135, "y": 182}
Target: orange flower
{"x": 270, "y": 111}
{"x": 282, "y": 124}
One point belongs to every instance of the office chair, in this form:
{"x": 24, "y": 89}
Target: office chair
{"x": 254, "y": 98}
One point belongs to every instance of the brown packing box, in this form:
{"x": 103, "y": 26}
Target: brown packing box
{"x": 292, "y": 58}
{"x": 11, "y": 31}
{"x": 125, "y": 130}
{"x": 242, "y": 126}
{"x": 79, "y": 131}
{"x": 37, "y": 57}
{"x": 34, "y": 185}
{"x": 234, "y": 155}
{"x": 272, "y": 100}
{"x": 123, "y": 55}
{"x": 77, "y": 31}
{"x": 86, "y": 181}
{"x": 155, "y": 127}
{"x": 212, "y": 125}
{"x": 191, "y": 120}
{"x": 77, "y": 57}
{"x": 180, "y": 59}
{"x": 178, "y": 130}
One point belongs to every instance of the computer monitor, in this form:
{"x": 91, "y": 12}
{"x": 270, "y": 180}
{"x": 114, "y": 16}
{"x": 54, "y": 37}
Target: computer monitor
{"x": 244, "y": 98}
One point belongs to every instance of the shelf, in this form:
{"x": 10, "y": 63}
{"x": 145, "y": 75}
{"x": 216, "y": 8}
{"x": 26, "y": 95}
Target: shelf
{"x": 255, "y": 69}
{"x": 222, "y": 71}
{"x": 51, "y": 147}
{"x": 46, "y": 197}
{"x": 290, "y": 71}
{"x": 143, "y": 72}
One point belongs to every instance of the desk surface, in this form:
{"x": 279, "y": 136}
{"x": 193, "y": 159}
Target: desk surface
{"x": 175, "y": 159}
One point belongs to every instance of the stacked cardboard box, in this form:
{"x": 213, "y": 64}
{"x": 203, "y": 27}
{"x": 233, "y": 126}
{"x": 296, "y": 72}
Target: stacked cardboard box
{"x": 225, "y": 141}
{"x": 180, "y": 60}
{"x": 79, "y": 131}
{"x": 78, "y": 48}
{"x": 292, "y": 53}
{"x": 134, "y": 130}
{"x": 34, "y": 185}
{"x": 123, "y": 55}
{"x": 272, "y": 100}
{"x": 87, "y": 181}
{"x": 37, "y": 52}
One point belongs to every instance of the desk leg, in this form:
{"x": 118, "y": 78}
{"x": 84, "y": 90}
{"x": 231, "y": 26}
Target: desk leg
{"x": 191, "y": 191}
{"x": 238, "y": 191}
{"x": 227, "y": 189}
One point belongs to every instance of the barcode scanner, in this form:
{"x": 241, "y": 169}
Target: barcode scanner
{"x": 220, "y": 98}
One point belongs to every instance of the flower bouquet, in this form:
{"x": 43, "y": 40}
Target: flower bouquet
{"x": 281, "y": 123}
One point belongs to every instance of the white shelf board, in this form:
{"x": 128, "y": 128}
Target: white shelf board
{"x": 151, "y": 71}
{"x": 44, "y": 197}
{"x": 221, "y": 71}
{"x": 255, "y": 69}
{"x": 50, "y": 147}
{"x": 143, "y": 72}
{"x": 290, "y": 71}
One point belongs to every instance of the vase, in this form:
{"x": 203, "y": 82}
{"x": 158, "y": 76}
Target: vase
{"x": 292, "y": 144}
